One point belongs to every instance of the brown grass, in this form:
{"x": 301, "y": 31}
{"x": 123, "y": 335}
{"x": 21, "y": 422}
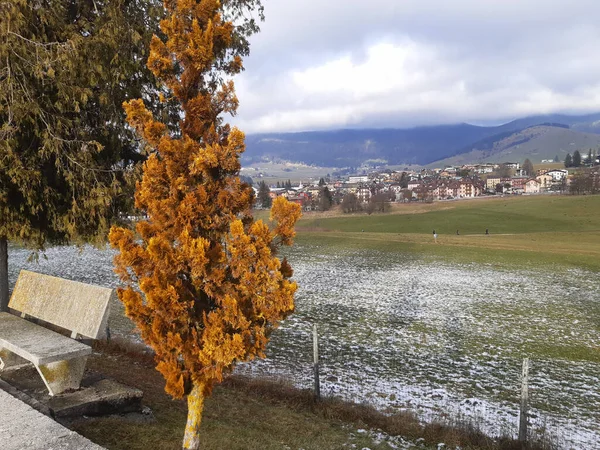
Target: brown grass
{"x": 246, "y": 413}
{"x": 395, "y": 208}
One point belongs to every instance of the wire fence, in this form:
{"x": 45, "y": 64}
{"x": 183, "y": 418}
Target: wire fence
{"x": 530, "y": 405}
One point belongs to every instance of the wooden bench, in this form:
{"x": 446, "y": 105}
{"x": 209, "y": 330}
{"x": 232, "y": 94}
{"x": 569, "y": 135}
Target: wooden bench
{"x": 79, "y": 308}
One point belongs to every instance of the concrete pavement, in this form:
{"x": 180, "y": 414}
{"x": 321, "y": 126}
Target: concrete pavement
{"x": 24, "y": 428}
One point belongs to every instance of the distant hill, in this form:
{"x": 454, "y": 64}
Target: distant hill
{"x": 536, "y": 138}
{"x": 536, "y": 143}
{"x": 342, "y": 148}
{"x": 580, "y": 123}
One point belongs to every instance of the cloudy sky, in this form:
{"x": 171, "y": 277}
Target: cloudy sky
{"x": 326, "y": 64}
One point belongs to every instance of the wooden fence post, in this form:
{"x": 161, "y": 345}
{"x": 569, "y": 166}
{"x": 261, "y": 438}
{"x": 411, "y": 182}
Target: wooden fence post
{"x": 524, "y": 401}
{"x": 316, "y": 362}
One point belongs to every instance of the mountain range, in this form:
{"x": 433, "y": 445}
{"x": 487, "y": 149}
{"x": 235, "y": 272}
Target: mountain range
{"x": 536, "y": 138}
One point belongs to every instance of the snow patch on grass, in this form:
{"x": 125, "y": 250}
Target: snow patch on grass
{"x": 403, "y": 333}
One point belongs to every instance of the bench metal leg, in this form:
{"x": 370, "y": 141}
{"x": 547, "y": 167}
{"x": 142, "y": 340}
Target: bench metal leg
{"x": 63, "y": 375}
{"x": 9, "y": 359}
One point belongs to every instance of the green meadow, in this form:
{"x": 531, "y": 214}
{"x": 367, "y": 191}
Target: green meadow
{"x": 523, "y": 214}
{"x": 524, "y": 230}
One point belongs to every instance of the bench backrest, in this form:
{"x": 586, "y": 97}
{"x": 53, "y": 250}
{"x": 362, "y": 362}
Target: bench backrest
{"x": 78, "y": 307}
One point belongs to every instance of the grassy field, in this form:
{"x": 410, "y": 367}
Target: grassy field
{"x": 514, "y": 215}
{"x": 295, "y": 172}
{"x": 253, "y": 414}
{"x": 527, "y": 231}
{"x": 523, "y": 230}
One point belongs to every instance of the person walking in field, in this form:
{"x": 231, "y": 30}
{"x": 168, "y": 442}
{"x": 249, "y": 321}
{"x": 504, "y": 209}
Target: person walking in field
{"x": 435, "y": 236}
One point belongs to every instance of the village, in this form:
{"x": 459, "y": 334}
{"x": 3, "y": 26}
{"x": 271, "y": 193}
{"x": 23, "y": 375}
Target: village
{"x": 426, "y": 185}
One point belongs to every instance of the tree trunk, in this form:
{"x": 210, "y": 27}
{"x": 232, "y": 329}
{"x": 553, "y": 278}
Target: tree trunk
{"x": 191, "y": 440}
{"x": 3, "y": 274}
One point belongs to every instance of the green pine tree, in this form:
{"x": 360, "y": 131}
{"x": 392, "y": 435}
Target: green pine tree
{"x": 568, "y": 160}
{"x": 263, "y": 197}
{"x": 325, "y": 199}
{"x": 528, "y": 167}
{"x": 66, "y": 156}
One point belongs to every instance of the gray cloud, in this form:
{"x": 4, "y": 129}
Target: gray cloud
{"x": 330, "y": 64}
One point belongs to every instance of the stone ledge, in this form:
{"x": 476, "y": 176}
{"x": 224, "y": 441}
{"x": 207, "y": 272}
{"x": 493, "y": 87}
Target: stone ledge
{"x": 97, "y": 395}
{"x": 101, "y": 398}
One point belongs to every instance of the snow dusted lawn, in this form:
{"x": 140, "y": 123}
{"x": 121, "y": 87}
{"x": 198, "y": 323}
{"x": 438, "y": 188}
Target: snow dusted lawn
{"x": 439, "y": 339}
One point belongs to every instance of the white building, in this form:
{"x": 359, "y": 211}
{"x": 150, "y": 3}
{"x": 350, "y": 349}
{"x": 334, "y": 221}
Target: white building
{"x": 558, "y": 174}
{"x": 363, "y": 194}
{"x": 491, "y": 183}
{"x": 532, "y": 186}
{"x": 544, "y": 181}
{"x": 414, "y": 184}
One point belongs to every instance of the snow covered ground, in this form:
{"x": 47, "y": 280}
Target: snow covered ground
{"x": 444, "y": 341}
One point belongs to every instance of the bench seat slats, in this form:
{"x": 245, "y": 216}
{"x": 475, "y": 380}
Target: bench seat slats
{"x": 37, "y": 344}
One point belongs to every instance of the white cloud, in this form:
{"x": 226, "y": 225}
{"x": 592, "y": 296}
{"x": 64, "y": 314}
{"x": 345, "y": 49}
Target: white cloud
{"x": 387, "y": 67}
{"x": 336, "y": 64}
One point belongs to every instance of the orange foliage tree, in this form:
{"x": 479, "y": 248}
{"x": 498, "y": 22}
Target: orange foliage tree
{"x": 203, "y": 283}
